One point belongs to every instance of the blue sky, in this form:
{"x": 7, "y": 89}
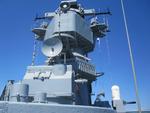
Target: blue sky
{"x": 111, "y": 56}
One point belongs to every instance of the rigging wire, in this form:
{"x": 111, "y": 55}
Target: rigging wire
{"x": 109, "y": 60}
{"x": 131, "y": 58}
{"x": 108, "y": 51}
{"x": 105, "y": 20}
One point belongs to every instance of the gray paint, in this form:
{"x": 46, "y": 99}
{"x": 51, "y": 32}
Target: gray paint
{"x": 40, "y": 97}
{"x": 19, "y": 92}
{"x": 72, "y": 24}
{"x": 9, "y": 107}
{"x": 63, "y": 84}
{"x": 53, "y": 87}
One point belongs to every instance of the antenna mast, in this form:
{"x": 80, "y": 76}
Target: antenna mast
{"x": 131, "y": 58}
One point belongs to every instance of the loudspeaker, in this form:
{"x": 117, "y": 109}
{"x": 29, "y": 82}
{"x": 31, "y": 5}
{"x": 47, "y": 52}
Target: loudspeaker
{"x": 52, "y": 47}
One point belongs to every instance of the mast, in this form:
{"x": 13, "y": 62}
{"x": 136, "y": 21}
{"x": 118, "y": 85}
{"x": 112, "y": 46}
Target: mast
{"x": 131, "y": 59}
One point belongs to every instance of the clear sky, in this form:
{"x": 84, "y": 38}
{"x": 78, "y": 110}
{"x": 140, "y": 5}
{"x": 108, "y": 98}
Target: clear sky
{"x": 111, "y": 56}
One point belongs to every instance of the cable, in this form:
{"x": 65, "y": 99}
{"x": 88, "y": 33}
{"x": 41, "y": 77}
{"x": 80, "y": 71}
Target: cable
{"x": 131, "y": 58}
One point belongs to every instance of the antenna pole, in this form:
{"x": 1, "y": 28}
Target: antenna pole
{"x": 131, "y": 58}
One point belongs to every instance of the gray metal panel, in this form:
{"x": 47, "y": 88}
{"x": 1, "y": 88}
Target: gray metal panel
{"x": 20, "y": 91}
{"x": 70, "y": 22}
{"x": 3, "y": 107}
{"x": 53, "y": 87}
{"x": 50, "y": 108}
{"x": 46, "y": 71}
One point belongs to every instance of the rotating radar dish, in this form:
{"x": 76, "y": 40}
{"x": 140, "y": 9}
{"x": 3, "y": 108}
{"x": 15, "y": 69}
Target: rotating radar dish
{"x": 52, "y": 47}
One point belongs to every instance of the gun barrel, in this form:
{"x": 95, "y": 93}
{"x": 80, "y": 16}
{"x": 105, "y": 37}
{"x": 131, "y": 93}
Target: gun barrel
{"x": 133, "y": 102}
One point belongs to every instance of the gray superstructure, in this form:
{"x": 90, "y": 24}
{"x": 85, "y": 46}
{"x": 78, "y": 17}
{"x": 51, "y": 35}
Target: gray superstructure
{"x": 63, "y": 83}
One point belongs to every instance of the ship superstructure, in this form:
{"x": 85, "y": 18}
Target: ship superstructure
{"x": 63, "y": 83}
